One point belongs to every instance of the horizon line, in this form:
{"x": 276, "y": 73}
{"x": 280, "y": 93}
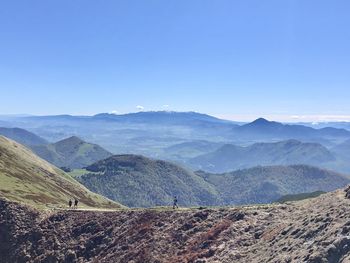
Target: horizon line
{"x": 312, "y": 118}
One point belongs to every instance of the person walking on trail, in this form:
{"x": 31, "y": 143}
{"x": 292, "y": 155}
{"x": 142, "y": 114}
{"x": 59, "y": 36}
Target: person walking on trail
{"x": 70, "y": 203}
{"x": 76, "y": 203}
{"x": 175, "y": 203}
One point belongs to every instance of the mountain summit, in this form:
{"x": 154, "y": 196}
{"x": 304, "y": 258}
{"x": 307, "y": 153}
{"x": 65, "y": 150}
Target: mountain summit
{"x": 260, "y": 121}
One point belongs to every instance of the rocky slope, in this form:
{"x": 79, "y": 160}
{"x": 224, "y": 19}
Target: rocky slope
{"x": 313, "y": 231}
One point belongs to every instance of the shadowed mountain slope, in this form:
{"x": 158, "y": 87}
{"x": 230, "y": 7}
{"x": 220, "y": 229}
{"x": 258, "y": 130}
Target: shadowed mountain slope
{"x": 71, "y": 152}
{"x": 231, "y": 157}
{"x": 22, "y": 136}
{"x": 342, "y": 150}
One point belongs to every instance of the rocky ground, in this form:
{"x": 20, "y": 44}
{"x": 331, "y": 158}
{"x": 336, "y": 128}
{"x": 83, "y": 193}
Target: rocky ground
{"x": 315, "y": 230}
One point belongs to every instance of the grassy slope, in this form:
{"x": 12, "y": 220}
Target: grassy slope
{"x": 27, "y": 178}
{"x": 298, "y": 197}
{"x": 267, "y": 184}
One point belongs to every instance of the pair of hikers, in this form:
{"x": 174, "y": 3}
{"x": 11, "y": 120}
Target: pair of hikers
{"x": 70, "y": 203}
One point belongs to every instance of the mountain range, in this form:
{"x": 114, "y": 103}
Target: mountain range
{"x": 150, "y": 133}
{"x": 232, "y": 157}
{"x": 264, "y": 130}
{"x": 265, "y": 184}
{"x": 137, "y": 181}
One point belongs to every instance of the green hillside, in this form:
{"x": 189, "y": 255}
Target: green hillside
{"x": 71, "y": 153}
{"x": 298, "y": 197}
{"x": 137, "y": 181}
{"x": 267, "y": 184}
{"x": 26, "y": 178}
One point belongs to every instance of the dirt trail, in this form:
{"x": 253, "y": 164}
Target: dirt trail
{"x": 316, "y": 230}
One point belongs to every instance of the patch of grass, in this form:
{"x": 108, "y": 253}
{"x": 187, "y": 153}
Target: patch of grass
{"x": 298, "y": 197}
{"x": 77, "y": 172}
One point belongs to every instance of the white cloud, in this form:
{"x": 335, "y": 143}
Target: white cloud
{"x": 166, "y": 106}
{"x": 114, "y": 112}
{"x": 140, "y": 108}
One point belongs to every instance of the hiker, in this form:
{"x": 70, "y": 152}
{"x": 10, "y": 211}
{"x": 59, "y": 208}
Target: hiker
{"x": 175, "y": 203}
{"x": 76, "y": 203}
{"x": 70, "y": 203}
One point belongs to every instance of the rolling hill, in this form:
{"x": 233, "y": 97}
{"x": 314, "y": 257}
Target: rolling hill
{"x": 22, "y": 136}
{"x": 71, "y": 153}
{"x": 267, "y": 184}
{"x": 187, "y": 150}
{"x": 342, "y": 150}
{"x": 26, "y": 178}
{"x": 137, "y": 181}
{"x": 231, "y": 157}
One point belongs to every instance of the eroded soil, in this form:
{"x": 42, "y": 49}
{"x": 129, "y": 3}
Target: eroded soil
{"x": 316, "y": 230}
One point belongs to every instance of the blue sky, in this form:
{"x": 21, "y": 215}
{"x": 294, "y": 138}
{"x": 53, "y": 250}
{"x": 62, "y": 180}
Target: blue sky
{"x": 285, "y": 60}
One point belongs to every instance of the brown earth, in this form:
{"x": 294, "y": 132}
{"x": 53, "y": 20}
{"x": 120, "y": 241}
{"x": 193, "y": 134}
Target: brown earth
{"x": 315, "y": 231}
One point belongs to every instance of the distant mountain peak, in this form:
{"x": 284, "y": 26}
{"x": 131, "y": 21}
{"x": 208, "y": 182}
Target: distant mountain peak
{"x": 73, "y": 139}
{"x": 261, "y": 121}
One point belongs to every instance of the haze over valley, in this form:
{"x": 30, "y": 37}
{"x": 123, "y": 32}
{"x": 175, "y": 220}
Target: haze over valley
{"x": 144, "y": 159}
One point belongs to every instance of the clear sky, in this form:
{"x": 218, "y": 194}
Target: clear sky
{"x": 237, "y": 59}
